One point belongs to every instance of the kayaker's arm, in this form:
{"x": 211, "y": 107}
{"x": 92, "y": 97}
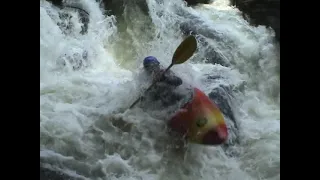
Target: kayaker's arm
{"x": 170, "y": 78}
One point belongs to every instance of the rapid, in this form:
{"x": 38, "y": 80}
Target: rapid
{"x": 87, "y": 82}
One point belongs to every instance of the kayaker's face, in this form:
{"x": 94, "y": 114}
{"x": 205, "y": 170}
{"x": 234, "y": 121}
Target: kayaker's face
{"x": 152, "y": 67}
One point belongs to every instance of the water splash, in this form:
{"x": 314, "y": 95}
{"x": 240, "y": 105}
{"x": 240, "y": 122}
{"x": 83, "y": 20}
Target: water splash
{"x": 82, "y": 129}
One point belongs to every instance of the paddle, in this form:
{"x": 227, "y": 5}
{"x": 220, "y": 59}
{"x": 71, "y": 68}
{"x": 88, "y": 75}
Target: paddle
{"x": 184, "y": 51}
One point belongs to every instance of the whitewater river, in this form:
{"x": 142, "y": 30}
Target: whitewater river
{"x": 87, "y": 80}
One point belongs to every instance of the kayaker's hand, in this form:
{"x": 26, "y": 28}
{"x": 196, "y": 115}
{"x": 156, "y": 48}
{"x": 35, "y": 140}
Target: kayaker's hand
{"x": 168, "y": 78}
{"x": 158, "y": 77}
{"x": 142, "y": 98}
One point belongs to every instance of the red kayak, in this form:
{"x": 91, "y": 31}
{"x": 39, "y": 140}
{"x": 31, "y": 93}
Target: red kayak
{"x": 200, "y": 121}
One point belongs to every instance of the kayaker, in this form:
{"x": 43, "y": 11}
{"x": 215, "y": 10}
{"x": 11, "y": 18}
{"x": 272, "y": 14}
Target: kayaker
{"x": 164, "y": 90}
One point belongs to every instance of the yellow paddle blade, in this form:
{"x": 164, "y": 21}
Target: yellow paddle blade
{"x": 185, "y": 50}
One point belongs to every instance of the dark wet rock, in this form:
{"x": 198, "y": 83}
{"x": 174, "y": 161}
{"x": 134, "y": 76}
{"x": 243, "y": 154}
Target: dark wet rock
{"x": 209, "y": 53}
{"x": 221, "y": 96}
{"x": 57, "y": 3}
{"x": 261, "y": 12}
{"x": 66, "y": 26}
{"x": 195, "y": 2}
{"x": 83, "y": 18}
{"x": 76, "y": 60}
{"x": 193, "y": 25}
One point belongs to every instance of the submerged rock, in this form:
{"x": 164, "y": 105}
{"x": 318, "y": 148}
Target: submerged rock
{"x": 117, "y": 7}
{"x": 47, "y": 174}
{"x": 222, "y": 96}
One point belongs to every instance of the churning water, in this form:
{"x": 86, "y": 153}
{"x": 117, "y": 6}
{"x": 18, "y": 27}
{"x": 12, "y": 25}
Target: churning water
{"x": 88, "y": 80}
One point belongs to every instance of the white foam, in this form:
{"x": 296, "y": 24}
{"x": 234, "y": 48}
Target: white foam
{"x": 76, "y": 107}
